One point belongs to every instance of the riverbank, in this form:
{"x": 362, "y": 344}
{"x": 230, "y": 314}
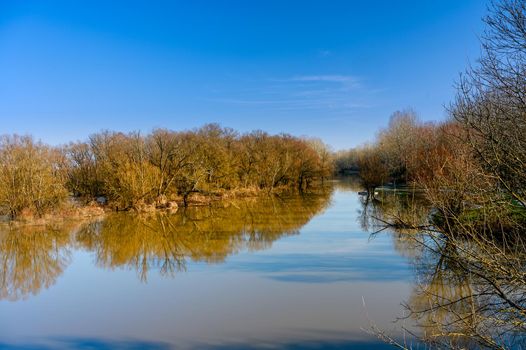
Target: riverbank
{"x": 67, "y": 212}
{"x": 76, "y": 208}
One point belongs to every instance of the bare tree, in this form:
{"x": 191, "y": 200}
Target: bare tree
{"x": 374, "y": 171}
{"x": 491, "y": 102}
{"x": 31, "y": 177}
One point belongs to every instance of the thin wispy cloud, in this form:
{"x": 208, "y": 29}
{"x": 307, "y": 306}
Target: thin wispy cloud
{"x": 326, "y": 78}
{"x": 318, "y": 93}
{"x": 345, "y": 81}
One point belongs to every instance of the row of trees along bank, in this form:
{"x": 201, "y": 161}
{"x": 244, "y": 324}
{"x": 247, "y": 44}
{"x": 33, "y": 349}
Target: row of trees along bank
{"x": 132, "y": 170}
{"x": 471, "y": 169}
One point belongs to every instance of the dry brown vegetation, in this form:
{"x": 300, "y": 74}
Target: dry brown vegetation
{"x": 134, "y": 171}
{"x": 31, "y": 177}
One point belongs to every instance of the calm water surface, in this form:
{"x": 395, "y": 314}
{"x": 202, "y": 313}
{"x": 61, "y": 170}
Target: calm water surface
{"x": 267, "y": 273}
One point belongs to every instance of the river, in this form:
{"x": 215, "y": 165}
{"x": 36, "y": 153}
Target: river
{"x": 300, "y": 272}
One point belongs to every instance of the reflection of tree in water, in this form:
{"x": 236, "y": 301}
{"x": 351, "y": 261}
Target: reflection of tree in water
{"x": 469, "y": 294}
{"x": 470, "y": 289}
{"x": 31, "y": 259}
{"x": 442, "y": 301}
{"x": 387, "y": 207}
{"x": 348, "y": 183}
{"x": 388, "y": 211}
{"x": 209, "y": 234}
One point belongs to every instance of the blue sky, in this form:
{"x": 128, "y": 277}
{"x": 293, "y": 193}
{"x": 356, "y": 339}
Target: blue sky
{"x": 331, "y": 69}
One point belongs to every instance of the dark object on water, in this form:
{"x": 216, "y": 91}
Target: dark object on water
{"x": 365, "y": 193}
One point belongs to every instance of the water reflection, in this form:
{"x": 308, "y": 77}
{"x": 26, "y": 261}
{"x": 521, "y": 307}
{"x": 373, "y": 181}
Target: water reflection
{"x": 253, "y": 280}
{"x": 444, "y": 301}
{"x": 306, "y": 290}
{"x": 390, "y": 211}
{"x": 33, "y": 257}
{"x": 463, "y": 295}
